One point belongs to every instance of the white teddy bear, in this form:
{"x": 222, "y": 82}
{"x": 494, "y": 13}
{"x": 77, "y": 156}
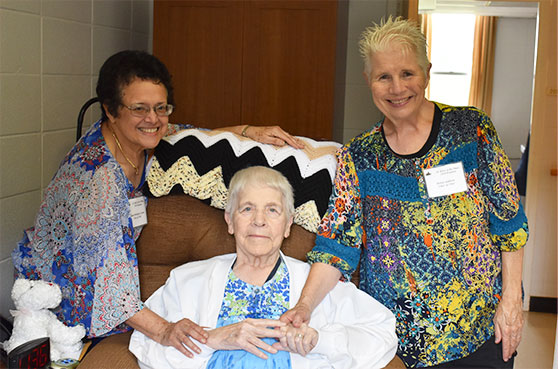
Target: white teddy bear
{"x": 32, "y": 320}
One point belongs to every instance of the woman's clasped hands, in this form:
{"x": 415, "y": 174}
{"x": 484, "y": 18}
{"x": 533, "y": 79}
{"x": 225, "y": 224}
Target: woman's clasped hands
{"x": 245, "y": 335}
{"x": 297, "y": 340}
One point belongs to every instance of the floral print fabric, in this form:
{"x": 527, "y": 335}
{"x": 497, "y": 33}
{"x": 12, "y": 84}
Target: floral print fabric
{"x": 434, "y": 262}
{"x": 84, "y": 241}
{"x": 242, "y": 301}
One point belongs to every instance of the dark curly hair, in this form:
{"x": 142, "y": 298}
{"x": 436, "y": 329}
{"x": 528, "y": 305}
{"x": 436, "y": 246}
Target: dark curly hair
{"x": 121, "y": 69}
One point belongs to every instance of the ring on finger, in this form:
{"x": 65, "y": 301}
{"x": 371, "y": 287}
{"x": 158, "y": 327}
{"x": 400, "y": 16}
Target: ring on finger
{"x": 299, "y": 335}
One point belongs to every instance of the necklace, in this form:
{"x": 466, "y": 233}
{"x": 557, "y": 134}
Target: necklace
{"x": 122, "y": 151}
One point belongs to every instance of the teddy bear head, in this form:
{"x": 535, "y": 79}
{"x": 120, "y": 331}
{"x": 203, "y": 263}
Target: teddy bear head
{"x": 35, "y": 295}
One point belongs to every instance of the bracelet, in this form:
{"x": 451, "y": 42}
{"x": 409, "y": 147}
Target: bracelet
{"x": 243, "y": 134}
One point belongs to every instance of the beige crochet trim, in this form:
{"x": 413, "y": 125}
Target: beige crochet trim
{"x": 212, "y": 186}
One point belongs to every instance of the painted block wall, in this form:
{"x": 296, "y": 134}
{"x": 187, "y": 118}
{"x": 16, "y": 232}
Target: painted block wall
{"x": 50, "y": 54}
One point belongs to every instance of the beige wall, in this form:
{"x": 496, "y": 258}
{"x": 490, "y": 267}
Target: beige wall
{"x": 50, "y": 52}
{"x": 358, "y": 112}
{"x": 512, "y": 97}
{"x": 540, "y": 255}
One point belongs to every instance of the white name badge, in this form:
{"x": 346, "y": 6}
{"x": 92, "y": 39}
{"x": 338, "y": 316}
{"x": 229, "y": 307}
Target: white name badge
{"x": 138, "y": 211}
{"x": 445, "y": 180}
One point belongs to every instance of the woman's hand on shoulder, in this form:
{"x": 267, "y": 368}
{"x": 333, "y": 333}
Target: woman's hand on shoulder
{"x": 178, "y": 336}
{"x": 246, "y": 335}
{"x": 273, "y": 135}
{"x": 298, "y": 340}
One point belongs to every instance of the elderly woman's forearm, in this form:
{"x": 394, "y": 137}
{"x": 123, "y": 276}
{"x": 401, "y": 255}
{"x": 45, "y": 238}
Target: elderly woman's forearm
{"x": 148, "y": 323}
{"x": 508, "y": 320}
{"x": 273, "y": 135}
{"x": 321, "y": 279}
{"x": 512, "y": 273}
{"x": 175, "y": 334}
{"x": 158, "y": 329}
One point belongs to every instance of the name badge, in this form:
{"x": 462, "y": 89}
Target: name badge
{"x": 445, "y": 180}
{"x": 138, "y": 211}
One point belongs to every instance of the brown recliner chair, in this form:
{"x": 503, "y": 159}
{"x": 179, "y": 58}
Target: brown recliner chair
{"x": 181, "y": 229}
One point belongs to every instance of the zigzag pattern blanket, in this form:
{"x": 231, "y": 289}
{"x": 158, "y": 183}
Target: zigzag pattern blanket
{"x": 201, "y": 164}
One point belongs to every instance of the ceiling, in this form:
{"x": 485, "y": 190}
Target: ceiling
{"x": 493, "y": 8}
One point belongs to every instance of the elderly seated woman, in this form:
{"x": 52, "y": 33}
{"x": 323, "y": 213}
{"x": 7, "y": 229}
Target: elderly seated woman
{"x": 238, "y": 298}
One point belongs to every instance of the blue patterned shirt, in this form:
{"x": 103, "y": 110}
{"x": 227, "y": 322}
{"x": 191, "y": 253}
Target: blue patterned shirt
{"x": 434, "y": 262}
{"x": 84, "y": 241}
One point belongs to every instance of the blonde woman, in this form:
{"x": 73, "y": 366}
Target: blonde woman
{"x": 426, "y": 201}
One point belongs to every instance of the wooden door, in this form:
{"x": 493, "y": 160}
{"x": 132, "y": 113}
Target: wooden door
{"x": 200, "y": 42}
{"x": 259, "y": 62}
{"x": 288, "y": 69}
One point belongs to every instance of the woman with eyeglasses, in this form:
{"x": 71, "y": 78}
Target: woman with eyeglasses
{"x": 93, "y": 209}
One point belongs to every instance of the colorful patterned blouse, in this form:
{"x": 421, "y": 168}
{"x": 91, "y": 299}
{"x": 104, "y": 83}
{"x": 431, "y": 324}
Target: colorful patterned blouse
{"x": 434, "y": 262}
{"x": 242, "y": 301}
{"x": 84, "y": 241}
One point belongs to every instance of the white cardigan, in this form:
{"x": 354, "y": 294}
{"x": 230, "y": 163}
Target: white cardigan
{"x": 355, "y": 330}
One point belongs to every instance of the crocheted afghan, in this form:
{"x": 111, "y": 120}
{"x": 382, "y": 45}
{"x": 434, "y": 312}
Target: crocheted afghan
{"x": 201, "y": 163}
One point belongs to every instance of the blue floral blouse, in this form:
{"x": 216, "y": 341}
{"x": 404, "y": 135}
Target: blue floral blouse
{"x": 242, "y": 301}
{"x": 84, "y": 241}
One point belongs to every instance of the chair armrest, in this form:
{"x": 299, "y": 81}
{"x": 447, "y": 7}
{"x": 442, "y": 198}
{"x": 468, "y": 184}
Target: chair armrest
{"x": 112, "y": 352}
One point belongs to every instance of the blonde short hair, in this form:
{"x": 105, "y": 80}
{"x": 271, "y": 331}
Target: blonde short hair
{"x": 392, "y": 31}
{"x": 262, "y": 176}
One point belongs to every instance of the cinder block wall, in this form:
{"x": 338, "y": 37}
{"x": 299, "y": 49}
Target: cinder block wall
{"x": 50, "y": 54}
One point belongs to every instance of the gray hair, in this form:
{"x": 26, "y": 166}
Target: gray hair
{"x": 397, "y": 31}
{"x": 263, "y": 176}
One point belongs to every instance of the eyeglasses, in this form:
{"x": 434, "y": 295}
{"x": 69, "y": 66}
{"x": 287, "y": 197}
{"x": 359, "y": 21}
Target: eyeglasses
{"x": 142, "y": 110}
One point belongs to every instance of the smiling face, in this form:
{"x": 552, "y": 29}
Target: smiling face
{"x": 397, "y": 83}
{"x": 136, "y": 133}
{"x": 259, "y": 223}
